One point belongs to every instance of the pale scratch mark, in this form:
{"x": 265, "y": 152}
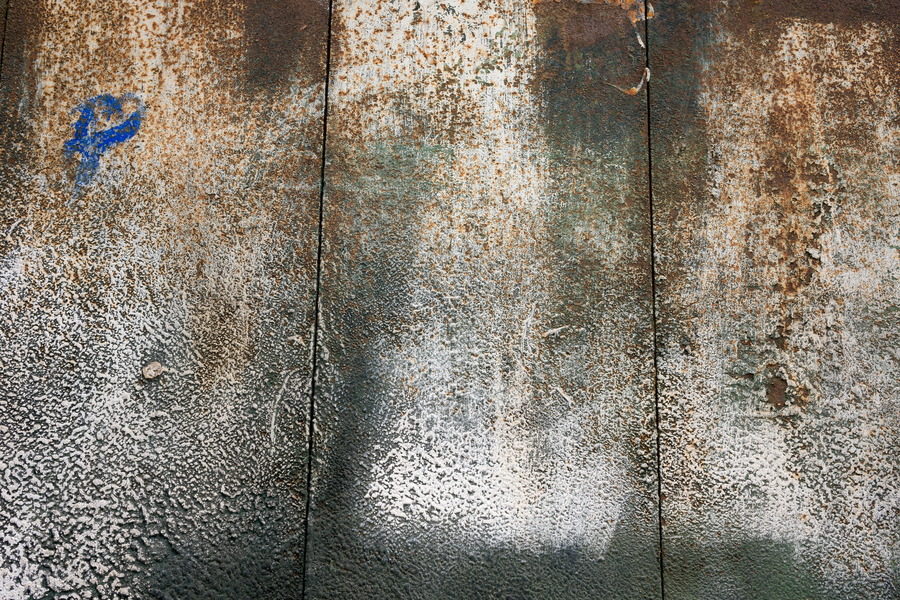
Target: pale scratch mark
{"x": 788, "y": 411}
{"x": 276, "y": 402}
{"x": 559, "y": 391}
{"x": 550, "y": 332}
{"x": 12, "y": 229}
{"x": 525, "y": 327}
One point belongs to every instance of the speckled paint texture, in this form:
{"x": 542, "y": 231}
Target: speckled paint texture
{"x": 193, "y": 247}
{"x": 775, "y": 154}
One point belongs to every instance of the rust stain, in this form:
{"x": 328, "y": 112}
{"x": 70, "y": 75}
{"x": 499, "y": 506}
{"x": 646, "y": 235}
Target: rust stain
{"x": 763, "y": 17}
{"x": 283, "y": 35}
{"x": 633, "y": 91}
{"x": 583, "y": 24}
{"x": 775, "y": 392}
{"x": 773, "y": 132}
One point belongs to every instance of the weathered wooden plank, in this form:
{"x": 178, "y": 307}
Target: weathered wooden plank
{"x": 484, "y": 415}
{"x": 776, "y": 191}
{"x": 180, "y": 230}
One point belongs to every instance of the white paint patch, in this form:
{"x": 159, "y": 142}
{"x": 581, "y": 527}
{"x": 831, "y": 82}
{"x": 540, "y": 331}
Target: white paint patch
{"x": 471, "y": 467}
{"x": 479, "y": 451}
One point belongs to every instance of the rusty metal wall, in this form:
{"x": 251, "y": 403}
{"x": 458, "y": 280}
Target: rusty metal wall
{"x": 191, "y": 244}
{"x": 524, "y": 258}
{"x": 776, "y": 186}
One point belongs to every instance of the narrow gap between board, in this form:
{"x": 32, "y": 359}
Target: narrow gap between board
{"x": 659, "y": 494}
{"x": 3, "y": 37}
{"x": 316, "y": 306}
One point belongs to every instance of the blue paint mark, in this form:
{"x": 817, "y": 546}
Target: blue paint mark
{"x": 91, "y": 143}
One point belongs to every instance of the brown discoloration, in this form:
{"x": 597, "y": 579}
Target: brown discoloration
{"x": 3, "y": 7}
{"x": 766, "y": 15}
{"x": 222, "y": 335}
{"x": 800, "y": 396}
{"x": 598, "y": 45}
{"x": 578, "y": 25}
{"x": 799, "y": 182}
{"x": 283, "y": 35}
{"x": 590, "y": 70}
{"x": 20, "y": 34}
{"x": 774, "y": 124}
{"x": 776, "y": 391}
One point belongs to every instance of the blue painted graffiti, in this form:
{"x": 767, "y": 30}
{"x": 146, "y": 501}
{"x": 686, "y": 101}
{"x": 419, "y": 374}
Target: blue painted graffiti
{"x": 90, "y": 142}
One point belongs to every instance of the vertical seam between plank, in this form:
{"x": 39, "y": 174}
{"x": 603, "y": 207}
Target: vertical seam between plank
{"x": 3, "y": 34}
{"x": 659, "y": 494}
{"x": 315, "y": 335}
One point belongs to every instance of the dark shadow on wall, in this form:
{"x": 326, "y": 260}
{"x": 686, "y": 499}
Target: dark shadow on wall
{"x": 759, "y": 569}
{"x": 414, "y": 569}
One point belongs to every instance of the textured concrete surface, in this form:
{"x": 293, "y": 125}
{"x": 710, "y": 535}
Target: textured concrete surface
{"x": 776, "y": 189}
{"x": 485, "y": 415}
{"x": 192, "y": 245}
